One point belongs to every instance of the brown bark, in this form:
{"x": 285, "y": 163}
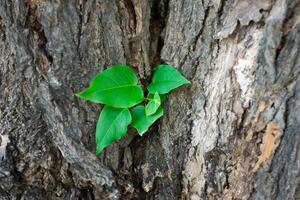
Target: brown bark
{"x": 232, "y": 134}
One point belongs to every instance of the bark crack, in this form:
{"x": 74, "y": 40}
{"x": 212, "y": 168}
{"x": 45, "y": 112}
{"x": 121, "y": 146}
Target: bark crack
{"x": 33, "y": 24}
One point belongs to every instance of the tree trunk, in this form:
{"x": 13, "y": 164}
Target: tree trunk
{"x": 234, "y": 133}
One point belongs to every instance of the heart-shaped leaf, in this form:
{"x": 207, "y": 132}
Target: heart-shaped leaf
{"x": 153, "y": 104}
{"x": 165, "y": 79}
{"x": 141, "y": 121}
{"x": 116, "y": 86}
{"x": 111, "y": 126}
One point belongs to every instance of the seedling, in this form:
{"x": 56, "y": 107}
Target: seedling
{"x": 117, "y": 88}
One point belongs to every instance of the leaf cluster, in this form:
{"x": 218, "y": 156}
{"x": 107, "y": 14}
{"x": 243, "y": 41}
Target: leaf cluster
{"x": 118, "y": 89}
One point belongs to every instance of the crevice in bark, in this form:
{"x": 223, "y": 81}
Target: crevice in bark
{"x": 221, "y": 10}
{"x": 216, "y": 179}
{"x": 80, "y": 29}
{"x": 199, "y": 35}
{"x": 33, "y": 24}
{"x": 157, "y": 25}
{"x": 86, "y": 194}
{"x": 130, "y": 5}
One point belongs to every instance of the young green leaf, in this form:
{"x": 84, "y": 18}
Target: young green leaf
{"x": 111, "y": 126}
{"x": 141, "y": 121}
{"x": 116, "y": 86}
{"x": 163, "y": 97}
{"x": 153, "y": 104}
{"x": 165, "y": 79}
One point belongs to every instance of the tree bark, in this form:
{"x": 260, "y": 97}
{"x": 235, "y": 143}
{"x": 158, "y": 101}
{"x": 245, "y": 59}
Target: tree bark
{"x": 233, "y": 133}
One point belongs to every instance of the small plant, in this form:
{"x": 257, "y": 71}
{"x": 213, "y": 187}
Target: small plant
{"x": 117, "y": 88}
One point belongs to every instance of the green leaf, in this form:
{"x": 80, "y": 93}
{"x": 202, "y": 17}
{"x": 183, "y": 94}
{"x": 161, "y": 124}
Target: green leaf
{"x": 153, "y": 104}
{"x": 116, "y": 86}
{"x": 141, "y": 121}
{"x": 111, "y": 126}
{"x": 163, "y": 97}
{"x": 165, "y": 79}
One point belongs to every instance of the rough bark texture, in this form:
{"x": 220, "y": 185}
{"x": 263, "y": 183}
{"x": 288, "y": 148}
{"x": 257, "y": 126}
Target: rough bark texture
{"x": 234, "y": 133}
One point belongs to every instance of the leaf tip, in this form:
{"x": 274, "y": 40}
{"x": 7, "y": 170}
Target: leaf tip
{"x": 141, "y": 133}
{"x": 77, "y": 94}
{"x": 98, "y": 150}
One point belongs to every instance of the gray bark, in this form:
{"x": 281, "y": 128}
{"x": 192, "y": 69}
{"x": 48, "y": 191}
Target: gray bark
{"x": 233, "y": 133}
